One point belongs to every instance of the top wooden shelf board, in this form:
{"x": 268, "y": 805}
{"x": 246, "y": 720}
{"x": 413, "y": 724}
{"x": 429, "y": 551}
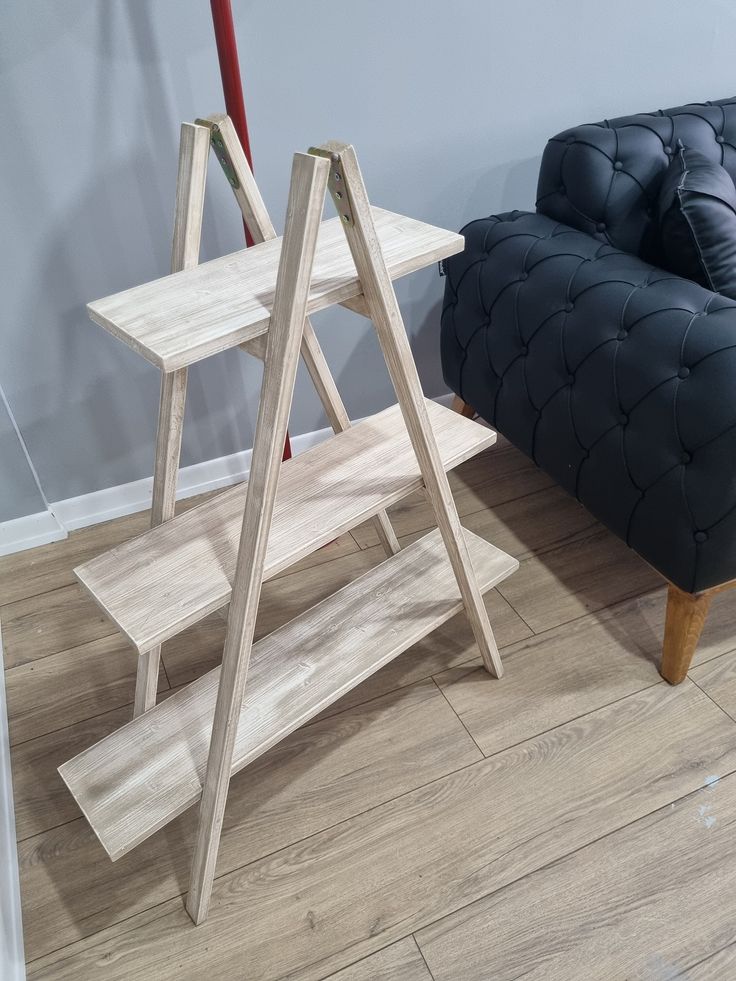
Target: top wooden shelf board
{"x": 187, "y": 316}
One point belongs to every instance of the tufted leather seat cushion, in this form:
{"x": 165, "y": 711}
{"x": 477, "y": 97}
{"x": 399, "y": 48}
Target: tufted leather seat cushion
{"x": 616, "y": 377}
{"x": 604, "y": 178}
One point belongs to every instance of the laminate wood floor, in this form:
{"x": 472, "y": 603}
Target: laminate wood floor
{"x": 572, "y": 821}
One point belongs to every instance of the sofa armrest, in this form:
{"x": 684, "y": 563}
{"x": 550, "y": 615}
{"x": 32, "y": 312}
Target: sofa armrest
{"x": 617, "y": 378}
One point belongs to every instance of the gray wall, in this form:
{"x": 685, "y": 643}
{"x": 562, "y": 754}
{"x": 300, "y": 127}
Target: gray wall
{"x": 449, "y": 106}
{"x": 19, "y": 494}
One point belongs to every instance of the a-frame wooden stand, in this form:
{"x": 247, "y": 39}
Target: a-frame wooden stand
{"x": 187, "y": 748}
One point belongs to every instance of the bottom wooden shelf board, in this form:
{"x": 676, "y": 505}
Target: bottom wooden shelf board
{"x": 142, "y": 776}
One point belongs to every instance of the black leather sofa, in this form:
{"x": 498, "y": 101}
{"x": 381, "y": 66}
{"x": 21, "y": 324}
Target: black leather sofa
{"x": 616, "y": 377}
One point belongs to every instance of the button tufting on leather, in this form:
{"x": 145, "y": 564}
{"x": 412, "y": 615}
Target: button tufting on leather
{"x": 644, "y": 483}
{"x": 683, "y": 372}
{"x": 524, "y": 276}
{"x": 701, "y": 536}
{"x": 621, "y": 335}
{"x": 600, "y": 226}
{"x": 524, "y": 349}
{"x": 647, "y": 141}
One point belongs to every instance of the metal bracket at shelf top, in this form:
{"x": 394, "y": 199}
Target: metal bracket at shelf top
{"x": 220, "y": 149}
{"x": 336, "y": 183}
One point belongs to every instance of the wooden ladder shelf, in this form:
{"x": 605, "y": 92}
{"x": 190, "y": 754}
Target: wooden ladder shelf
{"x": 185, "y": 749}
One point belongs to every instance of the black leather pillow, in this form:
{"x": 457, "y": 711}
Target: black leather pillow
{"x": 697, "y": 221}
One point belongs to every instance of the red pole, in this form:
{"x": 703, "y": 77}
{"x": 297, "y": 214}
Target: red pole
{"x": 232, "y": 86}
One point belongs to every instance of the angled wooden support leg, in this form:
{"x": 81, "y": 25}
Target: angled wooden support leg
{"x": 349, "y": 193}
{"x": 255, "y": 215}
{"x": 686, "y": 614}
{"x": 463, "y": 408}
{"x": 336, "y": 412}
{"x": 193, "y": 153}
{"x": 306, "y": 199}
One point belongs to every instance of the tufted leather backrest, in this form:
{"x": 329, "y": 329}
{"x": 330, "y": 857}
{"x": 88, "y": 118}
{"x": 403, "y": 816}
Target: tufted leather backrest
{"x": 604, "y": 178}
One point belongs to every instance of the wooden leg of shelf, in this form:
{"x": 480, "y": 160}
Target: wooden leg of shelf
{"x": 146, "y": 681}
{"x": 463, "y": 408}
{"x": 334, "y": 407}
{"x": 304, "y": 211}
{"x": 256, "y": 217}
{"x": 166, "y": 469}
{"x": 194, "y": 148}
{"x": 386, "y": 315}
{"x": 686, "y": 613}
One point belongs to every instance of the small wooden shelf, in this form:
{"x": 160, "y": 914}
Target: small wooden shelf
{"x": 168, "y": 578}
{"x": 187, "y": 748}
{"x": 142, "y": 776}
{"x": 190, "y": 315}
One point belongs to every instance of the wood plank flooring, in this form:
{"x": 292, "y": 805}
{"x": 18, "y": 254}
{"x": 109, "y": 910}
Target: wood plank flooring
{"x": 434, "y": 823}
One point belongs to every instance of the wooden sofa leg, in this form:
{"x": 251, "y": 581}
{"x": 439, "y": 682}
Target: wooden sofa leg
{"x": 463, "y": 408}
{"x": 686, "y": 613}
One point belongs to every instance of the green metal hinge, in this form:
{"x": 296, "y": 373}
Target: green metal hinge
{"x": 220, "y": 152}
{"x": 336, "y": 184}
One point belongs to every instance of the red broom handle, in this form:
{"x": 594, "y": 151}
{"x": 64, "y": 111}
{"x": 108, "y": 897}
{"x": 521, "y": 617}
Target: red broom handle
{"x": 232, "y": 86}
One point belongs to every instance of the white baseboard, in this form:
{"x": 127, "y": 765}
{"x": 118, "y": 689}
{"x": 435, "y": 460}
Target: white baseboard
{"x": 12, "y": 961}
{"x": 30, "y": 531}
{"x": 114, "y": 502}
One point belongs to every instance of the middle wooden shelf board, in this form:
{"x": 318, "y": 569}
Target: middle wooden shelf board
{"x": 156, "y": 585}
{"x": 143, "y": 775}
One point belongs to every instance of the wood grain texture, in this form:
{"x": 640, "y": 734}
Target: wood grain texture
{"x": 320, "y": 905}
{"x": 69, "y": 686}
{"x": 623, "y": 907}
{"x": 561, "y": 674}
{"x": 48, "y": 567}
{"x": 42, "y": 800}
{"x": 161, "y": 582}
{"x": 187, "y": 316}
{"x": 324, "y": 773}
{"x": 686, "y": 614}
{"x": 521, "y": 526}
{"x": 191, "y": 181}
{"x": 55, "y": 621}
{"x": 717, "y": 678}
{"x": 321, "y": 774}
{"x": 137, "y": 780}
{"x": 365, "y": 245}
{"x": 339, "y": 419}
{"x": 36, "y": 571}
{"x": 258, "y": 222}
{"x": 401, "y": 961}
{"x": 199, "y": 649}
{"x": 303, "y": 215}
{"x": 576, "y": 578}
